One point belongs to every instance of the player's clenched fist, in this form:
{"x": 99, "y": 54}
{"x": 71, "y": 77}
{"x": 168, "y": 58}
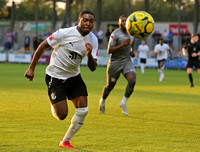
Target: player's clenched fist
{"x": 88, "y": 48}
{"x": 29, "y": 74}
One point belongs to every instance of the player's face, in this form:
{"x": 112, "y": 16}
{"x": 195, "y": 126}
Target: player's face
{"x": 122, "y": 23}
{"x": 143, "y": 42}
{"x": 196, "y": 39}
{"x": 85, "y": 24}
{"x": 161, "y": 42}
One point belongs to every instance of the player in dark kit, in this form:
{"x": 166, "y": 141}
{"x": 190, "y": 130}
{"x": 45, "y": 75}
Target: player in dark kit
{"x": 193, "y": 53}
{"x": 63, "y": 76}
{"x": 120, "y": 47}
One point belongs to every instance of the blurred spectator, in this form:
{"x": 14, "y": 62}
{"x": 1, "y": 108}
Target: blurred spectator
{"x": 108, "y": 32}
{"x": 16, "y": 46}
{"x": 27, "y": 42}
{"x": 170, "y": 42}
{"x": 35, "y": 42}
{"x": 165, "y": 36}
{"x": 9, "y": 35}
{"x": 7, "y": 45}
{"x": 100, "y": 36}
{"x": 171, "y": 36}
{"x": 187, "y": 37}
{"x": 94, "y": 32}
{"x": 40, "y": 39}
{"x": 137, "y": 43}
{"x": 156, "y": 36}
{"x": 182, "y": 34}
{"x": 14, "y": 35}
{"x": 45, "y": 34}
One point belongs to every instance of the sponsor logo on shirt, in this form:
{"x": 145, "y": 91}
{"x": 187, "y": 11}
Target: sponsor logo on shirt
{"x": 51, "y": 37}
{"x": 97, "y": 53}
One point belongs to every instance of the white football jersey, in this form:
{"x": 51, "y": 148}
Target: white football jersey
{"x": 143, "y": 49}
{"x": 163, "y": 51}
{"x": 69, "y": 50}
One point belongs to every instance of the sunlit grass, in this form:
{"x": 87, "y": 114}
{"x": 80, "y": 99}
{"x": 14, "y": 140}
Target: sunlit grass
{"x": 162, "y": 116}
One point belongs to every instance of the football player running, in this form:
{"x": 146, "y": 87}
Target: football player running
{"x": 63, "y": 77}
{"x": 161, "y": 51}
{"x": 120, "y": 47}
{"x": 143, "y": 54}
{"x": 192, "y": 50}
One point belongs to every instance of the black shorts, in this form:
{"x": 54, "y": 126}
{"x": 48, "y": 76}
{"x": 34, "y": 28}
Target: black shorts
{"x": 196, "y": 63}
{"x": 142, "y": 60}
{"x": 159, "y": 61}
{"x": 59, "y": 89}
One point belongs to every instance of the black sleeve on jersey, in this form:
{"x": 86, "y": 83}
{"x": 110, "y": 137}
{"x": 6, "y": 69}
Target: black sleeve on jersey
{"x": 198, "y": 48}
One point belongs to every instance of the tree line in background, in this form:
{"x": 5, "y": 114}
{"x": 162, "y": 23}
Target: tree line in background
{"x": 161, "y": 10}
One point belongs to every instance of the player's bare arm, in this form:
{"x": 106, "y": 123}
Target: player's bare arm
{"x": 92, "y": 63}
{"x": 194, "y": 54}
{"x": 112, "y": 49}
{"x": 155, "y": 53}
{"x": 184, "y": 51}
{"x": 39, "y": 52}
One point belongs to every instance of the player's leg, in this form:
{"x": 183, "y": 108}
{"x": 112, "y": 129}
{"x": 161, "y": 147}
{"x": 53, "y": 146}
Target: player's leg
{"x": 59, "y": 109}
{"x": 111, "y": 82}
{"x": 113, "y": 73}
{"x": 130, "y": 75}
{"x": 77, "y": 120}
{"x": 189, "y": 72}
{"x": 161, "y": 69}
{"x": 142, "y": 68}
{"x": 142, "y": 65}
{"x": 190, "y": 65}
{"x": 77, "y": 93}
{"x": 131, "y": 78}
{"x": 57, "y": 97}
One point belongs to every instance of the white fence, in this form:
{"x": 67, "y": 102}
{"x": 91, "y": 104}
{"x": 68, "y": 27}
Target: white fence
{"x": 102, "y": 60}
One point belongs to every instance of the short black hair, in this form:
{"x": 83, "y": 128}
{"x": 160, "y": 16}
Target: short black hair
{"x": 193, "y": 35}
{"x": 85, "y": 12}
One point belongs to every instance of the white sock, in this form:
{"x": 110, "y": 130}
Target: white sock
{"x": 142, "y": 68}
{"x": 163, "y": 67}
{"x": 124, "y": 100}
{"x": 76, "y": 123}
{"x": 53, "y": 112}
{"x": 102, "y": 100}
{"x": 161, "y": 71}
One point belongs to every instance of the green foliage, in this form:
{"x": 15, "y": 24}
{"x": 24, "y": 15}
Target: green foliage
{"x": 26, "y": 10}
{"x": 162, "y": 116}
{"x": 3, "y": 3}
{"x": 161, "y": 10}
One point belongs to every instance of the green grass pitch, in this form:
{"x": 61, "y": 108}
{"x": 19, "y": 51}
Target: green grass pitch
{"x": 163, "y": 117}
